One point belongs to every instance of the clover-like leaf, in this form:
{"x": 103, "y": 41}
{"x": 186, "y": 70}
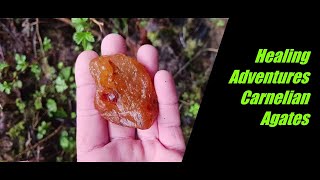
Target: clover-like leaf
{"x": 60, "y": 85}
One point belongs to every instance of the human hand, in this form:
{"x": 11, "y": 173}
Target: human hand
{"x": 101, "y": 140}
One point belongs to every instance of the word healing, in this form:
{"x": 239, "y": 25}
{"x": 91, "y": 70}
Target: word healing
{"x": 288, "y": 56}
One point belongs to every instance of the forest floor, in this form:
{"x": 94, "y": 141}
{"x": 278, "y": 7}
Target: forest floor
{"x": 37, "y": 88}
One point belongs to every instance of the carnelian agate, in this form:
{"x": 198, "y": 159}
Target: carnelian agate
{"x": 125, "y": 93}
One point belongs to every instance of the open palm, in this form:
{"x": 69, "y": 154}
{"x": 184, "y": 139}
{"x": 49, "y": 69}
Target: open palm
{"x": 101, "y": 140}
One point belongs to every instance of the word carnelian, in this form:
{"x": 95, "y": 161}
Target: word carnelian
{"x": 125, "y": 94}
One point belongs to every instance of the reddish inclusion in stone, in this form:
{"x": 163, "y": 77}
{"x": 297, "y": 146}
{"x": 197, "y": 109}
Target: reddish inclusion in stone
{"x": 125, "y": 93}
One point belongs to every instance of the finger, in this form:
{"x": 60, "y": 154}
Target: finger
{"x": 170, "y": 134}
{"x": 148, "y": 56}
{"x": 92, "y": 130}
{"x": 113, "y": 44}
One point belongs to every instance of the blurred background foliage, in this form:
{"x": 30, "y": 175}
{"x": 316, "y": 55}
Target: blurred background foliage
{"x": 37, "y": 85}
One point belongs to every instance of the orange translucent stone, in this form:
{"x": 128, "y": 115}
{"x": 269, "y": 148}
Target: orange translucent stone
{"x": 125, "y": 93}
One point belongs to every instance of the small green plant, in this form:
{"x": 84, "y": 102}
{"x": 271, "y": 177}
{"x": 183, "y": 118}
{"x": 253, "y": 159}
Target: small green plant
{"x": 192, "y": 106}
{"x": 68, "y": 142}
{"x": 73, "y": 115}
{"x": 218, "y": 22}
{"x": 38, "y": 103}
{"x": 60, "y": 85}
{"x": 51, "y": 106}
{"x": 43, "y": 128}
{"x": 36, "y": 70}
{"x": 191, "y": 46}
{"x": 47, "y": 44}
{"x": 82, "y": 35}
{"x": 3, "y": 65}
{"x": 5, "y": 87}
{"x": 21, "y": 62}
{"x": 21, "y": 105}
{"x": 143, "y": 22}
{"x": 193, "y": 110}
{"x": 65, "y": 73}
{"x": 154, "y": 38}
{"x": 16, "y": 130}
{"x": 38, "y": 95}
{"x": 60, "y": 65}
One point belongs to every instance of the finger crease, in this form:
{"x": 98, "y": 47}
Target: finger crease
{"x": 120, "y": 138}
{"x": 98, "y": 146}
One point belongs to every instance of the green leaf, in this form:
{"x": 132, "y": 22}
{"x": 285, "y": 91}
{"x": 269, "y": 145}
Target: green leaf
{"x": 21, "y": 62}
{"x": 84, "y": 38}
{"x": 39, "y": 136}
{"x": 72, "y": 130}
{"x": 79, "y": 20}
{"x": 17, "y": 84}
{"x": 40, "y": 128}
{"x": 21, "y": 105}
{"x": 51, "y": 105}
{"x": 36, "y": 70}
{"x": 89, "y": 37}
{"x": 79, "y": 28}
{"x": 47, "y": 44}
{"x": 60, "y": 84}
{"x": 38, "y": 103}
{"x": 64, "y": 133}
{"x": 61, "y": 113}
{"x": 80, "y": 24}
{"x": 5, "y": 87}
{"x": 220, "y": 23}
{"x": 66, "y": 72}
{"x": 71, "y": 79}
{"x": 88, "y": 46}
{"x": 73, "y": 115}
{"x": 78, "y": 37}
{"x": 43, "y": 89}
{"x": 64, "y": 142}
{"x": 52, "y": 71}
{"x": 60, "y": 65}
{"x": 194, "y": 109}
{"x": 185, "y": 95}
{"x": 3, "y": 65}
{"x": 7, "y": 91}
{"x": 72, "y": 144}
{"x": 143, "y": 23}
{"x": 59, "y": 159}
{"x": 76, "y": 20}
{"x": 16, "y": 130}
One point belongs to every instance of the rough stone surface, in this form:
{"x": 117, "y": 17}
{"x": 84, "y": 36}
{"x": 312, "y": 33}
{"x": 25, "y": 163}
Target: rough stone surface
{"x": 125, "y": 92}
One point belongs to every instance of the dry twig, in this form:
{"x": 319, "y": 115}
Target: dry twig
{"x": 194, "y": 57}
{"x": 100, "y": 24}
{"x": 40, "y": 142}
